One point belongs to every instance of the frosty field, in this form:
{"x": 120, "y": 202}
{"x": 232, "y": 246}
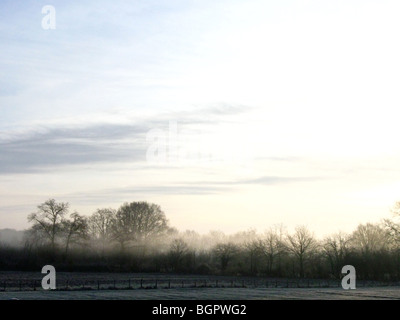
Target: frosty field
{"x": 124, "y": 286}
{"x": 212, "y": 294}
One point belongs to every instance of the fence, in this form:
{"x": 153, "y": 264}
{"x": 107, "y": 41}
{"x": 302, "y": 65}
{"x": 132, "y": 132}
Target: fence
{"x": 170, "y": 283}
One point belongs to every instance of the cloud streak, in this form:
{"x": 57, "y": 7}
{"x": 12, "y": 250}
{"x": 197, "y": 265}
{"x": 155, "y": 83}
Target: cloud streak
{"x": 45, "y": 147}
{"x": 182, "y": 188}
{"x": 101, "y": 143}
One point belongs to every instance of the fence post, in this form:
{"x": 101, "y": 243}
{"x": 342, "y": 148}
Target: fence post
{"x": 141, "y": 283}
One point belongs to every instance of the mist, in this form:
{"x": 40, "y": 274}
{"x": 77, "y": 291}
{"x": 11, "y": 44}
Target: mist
{"x": 137, "y": 237}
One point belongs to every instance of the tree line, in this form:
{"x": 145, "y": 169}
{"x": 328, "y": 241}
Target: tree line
{"x": 137, "y": 237}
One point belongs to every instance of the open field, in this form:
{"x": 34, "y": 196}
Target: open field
{"x": 128, "y": 286}
{"x": 384, "y": 293}
{"x": 67, "y": 281}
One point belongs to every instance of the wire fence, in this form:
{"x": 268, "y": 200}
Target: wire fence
{"x": 173, "y": 283}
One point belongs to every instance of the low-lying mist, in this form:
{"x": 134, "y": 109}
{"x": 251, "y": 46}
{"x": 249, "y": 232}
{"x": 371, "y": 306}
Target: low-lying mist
{"x": 137, "y": 238}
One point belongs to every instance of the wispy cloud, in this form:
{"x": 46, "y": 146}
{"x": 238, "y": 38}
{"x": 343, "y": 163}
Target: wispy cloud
{"x": 181, "y": 188}
{"x": 54, "y": 147}
{"x": 45, "y": 147}
{"x": 120, "y": 195}
{"x": 272, "y": 180}
{"x": 263, "y": 180}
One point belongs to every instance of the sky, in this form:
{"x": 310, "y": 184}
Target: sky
{"x": 230, "y": 115}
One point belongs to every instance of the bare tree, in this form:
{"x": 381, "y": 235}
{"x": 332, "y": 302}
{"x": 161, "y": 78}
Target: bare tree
{"x": 48, "y": 218}
{"x": 369, "y": 238}
{"x": 393, "y": 226}
{"x": 336, "y": 248}
{"x": 100, "y": 226}
{"x": 75, "y": 230}
{"x": 272, "y": 247}
{"x": 177, "y": 252}
{"x": 301, "y": 244}
{"x": 254, "y": 252}
{"x": 225, "y": 252}
{"x": 137, "y": 221}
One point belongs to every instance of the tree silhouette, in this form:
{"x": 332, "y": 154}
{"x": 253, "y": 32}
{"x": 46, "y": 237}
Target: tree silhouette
{"x": 48, "y": 220}
{"x": 178, "y": 250}
{"x": 336, "y": 248}
{"x": 225, "y": 252}
{"x": 272, "y": 247}
{"x": 100, "y": 225}
{"x": 301, "y": 244}
{"x": 75, "y": 230}
{"x": 137, "y": 221}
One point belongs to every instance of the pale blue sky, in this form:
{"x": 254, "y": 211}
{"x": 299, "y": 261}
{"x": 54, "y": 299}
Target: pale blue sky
{"x": 286, "y": 111}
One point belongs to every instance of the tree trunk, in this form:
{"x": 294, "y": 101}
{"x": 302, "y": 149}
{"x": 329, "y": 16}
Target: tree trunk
{"x": 301, "y": 266}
